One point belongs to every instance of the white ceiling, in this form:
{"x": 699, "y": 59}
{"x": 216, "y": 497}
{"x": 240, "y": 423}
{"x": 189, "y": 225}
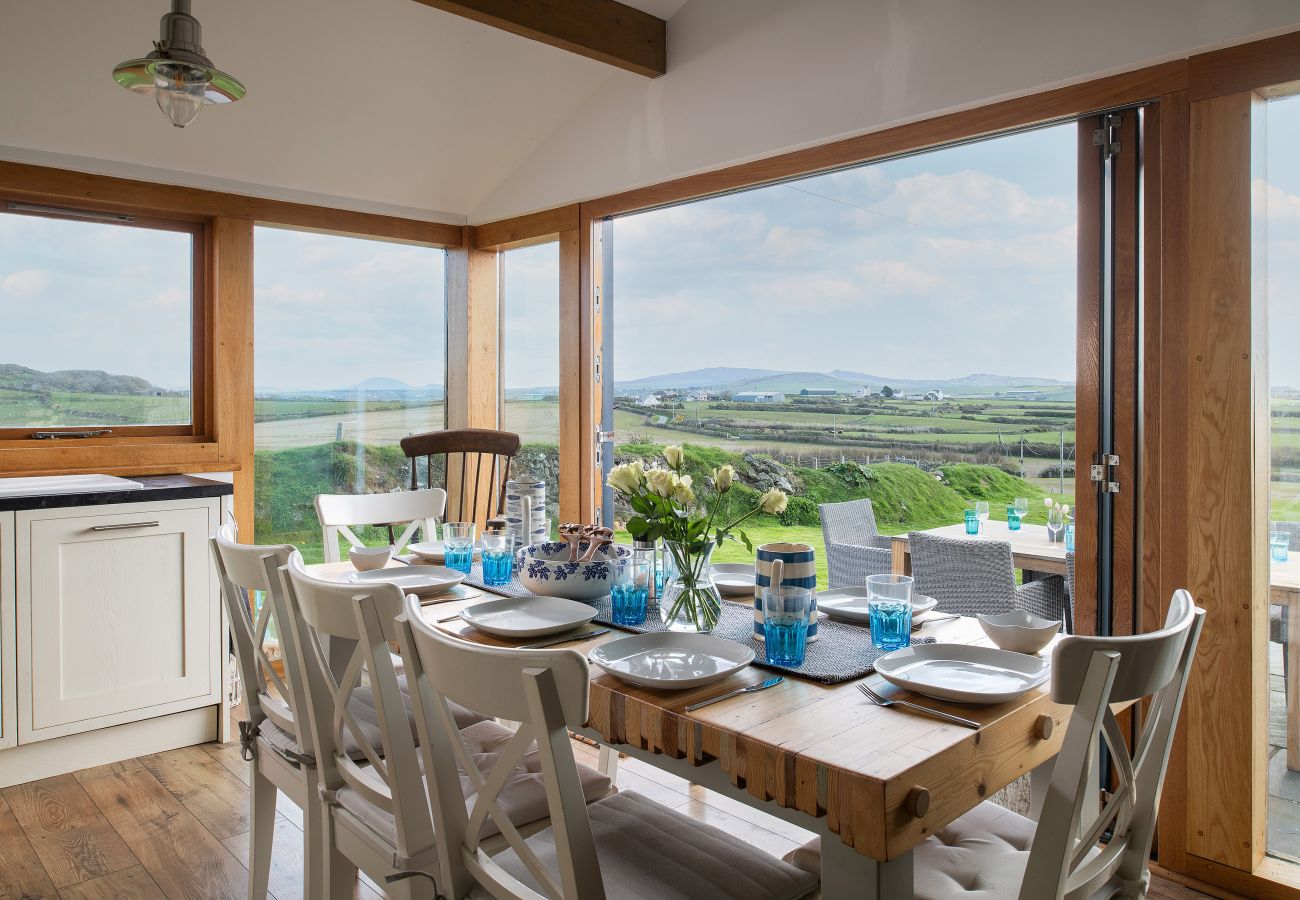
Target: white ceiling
{"x": 383, "y": 105}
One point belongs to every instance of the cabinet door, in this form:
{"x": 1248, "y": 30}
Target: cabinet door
{"x": 8, "y": 636}
{"x": 117, "y": 616}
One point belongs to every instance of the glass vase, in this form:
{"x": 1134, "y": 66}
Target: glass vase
{"x": 690, "y": 602}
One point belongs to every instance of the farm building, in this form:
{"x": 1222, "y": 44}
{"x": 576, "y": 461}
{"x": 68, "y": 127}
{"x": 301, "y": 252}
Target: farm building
{"x": 819, "y": 392}
{"x": 759, "y": 397}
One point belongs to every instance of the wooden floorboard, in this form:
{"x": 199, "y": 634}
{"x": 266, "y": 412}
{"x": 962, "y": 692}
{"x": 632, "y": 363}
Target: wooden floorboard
{"x": 179, "y": 823}
{"x": 21, "y": 873}
{"x": 133, "y": 883}
{"x": 72, "y": 839}
{"x": 180, "y": 854}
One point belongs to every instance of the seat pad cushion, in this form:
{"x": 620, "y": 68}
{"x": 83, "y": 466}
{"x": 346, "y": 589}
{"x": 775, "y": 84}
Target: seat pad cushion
{"x": 523, "y": 797}
{"x": 648, "y": 850}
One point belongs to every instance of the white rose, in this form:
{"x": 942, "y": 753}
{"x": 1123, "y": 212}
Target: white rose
{"x": 1047, "y": 501}
{"x": 682, "y": 492}
{"x": 623, "y": 479}
{"x": 660, "y": 481}
{"x": 723, "y": 478}
{"x": 674, "y": 456}
{"x": 773, "y": 502}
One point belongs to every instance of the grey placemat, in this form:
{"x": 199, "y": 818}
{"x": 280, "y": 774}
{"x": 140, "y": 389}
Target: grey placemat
{"x": 841, "y": 652}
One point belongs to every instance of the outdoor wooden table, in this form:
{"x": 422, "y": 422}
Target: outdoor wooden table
{"x": 1284, "y": 578}
{"x": 1031, "y": 548}
{"x": 872, "y": 782}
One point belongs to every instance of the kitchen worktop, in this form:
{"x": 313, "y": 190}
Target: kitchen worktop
{"x": 155, "y": 487}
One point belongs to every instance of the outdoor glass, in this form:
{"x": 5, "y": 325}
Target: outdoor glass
{"x": 972, "y": 522}
{"x": 458, "y": 546}
{"x": 498, "y": 558}
{"x": 630, "y": 593}
{"x": 1279, "y": 543}
{"x": 1055, "y": 521}
{"x": 1013, "y": 519}
{"x": 785, "y": 624}
{"x": 1021, "y": 506}
{"x": 889, "y": 610}
{"x": 982, "y": 511}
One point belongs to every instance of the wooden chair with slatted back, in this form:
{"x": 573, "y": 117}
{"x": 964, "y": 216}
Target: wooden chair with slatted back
{"x": 482, "y": 470}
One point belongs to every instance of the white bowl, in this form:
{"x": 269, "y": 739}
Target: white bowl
{"x": 365, "y": 559}
{"x": 1019, "y": 631}
{"x": 545, "y": 569}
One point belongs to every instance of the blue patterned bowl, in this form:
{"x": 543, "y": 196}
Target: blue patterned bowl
{"x": 545, "y": 569}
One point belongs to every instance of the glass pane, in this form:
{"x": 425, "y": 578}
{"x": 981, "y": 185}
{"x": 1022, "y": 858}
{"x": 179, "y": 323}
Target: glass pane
{"x": 530, "y": 362}
{"x": 350, "y": 358}
{"x": 1279, "y": 191}
{"x": 108, "y": 288}
{"x": 903, "y": 332}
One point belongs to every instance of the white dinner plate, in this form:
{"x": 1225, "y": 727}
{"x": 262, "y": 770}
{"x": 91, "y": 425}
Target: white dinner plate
{"x": 434, "y": 552}
{"x": 963, "y": 673}
{"x": 671, "y": 662}
{"x": 850, "y": 604}
{"x": 734, "y": 579}
{"x": 528, "y": 616}
{"x": 420, "y": 580}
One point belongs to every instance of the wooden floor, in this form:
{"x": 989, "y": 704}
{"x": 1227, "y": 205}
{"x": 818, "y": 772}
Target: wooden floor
{"x": 175, "y": 825}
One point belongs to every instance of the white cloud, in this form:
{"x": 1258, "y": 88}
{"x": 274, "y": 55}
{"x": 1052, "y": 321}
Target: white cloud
{"x": 784, "y": 243}
{"x": 25, "y": 283}
{"x": 966, "y": 198}
{"x": 896, "y": 277}
{"x": 1277, "y": 203}
{"x": 1044, "y": 250}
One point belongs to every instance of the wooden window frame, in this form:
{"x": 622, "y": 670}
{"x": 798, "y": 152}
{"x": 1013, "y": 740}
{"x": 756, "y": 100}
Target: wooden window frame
{"x": 201, "y": 309}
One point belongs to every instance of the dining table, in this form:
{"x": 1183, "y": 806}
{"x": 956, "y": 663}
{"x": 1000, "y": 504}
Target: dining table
{"x": 872, "y": 782}
{"x": 1032, "y": 548}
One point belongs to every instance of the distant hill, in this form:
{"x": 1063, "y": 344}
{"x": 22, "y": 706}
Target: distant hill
{"x": 82, "y": 381}
{"x": 714, "y": 379}
{"x": 725, "y": 379}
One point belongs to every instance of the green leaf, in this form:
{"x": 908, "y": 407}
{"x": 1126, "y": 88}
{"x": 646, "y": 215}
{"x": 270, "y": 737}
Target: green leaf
{"x": 745, "y": 540}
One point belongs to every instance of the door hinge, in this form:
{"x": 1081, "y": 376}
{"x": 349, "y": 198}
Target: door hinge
{"x": 1107, "y": 136}
{"x": 1104, "y": 474}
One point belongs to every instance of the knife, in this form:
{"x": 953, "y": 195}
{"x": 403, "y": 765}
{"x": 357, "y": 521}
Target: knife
{"x": 564, "y": 639}
{"x": 761, "y": 686}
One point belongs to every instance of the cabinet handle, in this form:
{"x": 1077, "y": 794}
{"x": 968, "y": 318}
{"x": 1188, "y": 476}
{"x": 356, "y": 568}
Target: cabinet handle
{"x": 124, "y": 525}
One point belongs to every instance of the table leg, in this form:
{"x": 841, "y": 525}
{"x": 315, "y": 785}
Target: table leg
{"x": 1292, "y": 685}
{"x": 847, "y": 873}
{"x": 1040, "y": 779}
{"x": 608, "y": 763}
{"x": 901, "y": 562}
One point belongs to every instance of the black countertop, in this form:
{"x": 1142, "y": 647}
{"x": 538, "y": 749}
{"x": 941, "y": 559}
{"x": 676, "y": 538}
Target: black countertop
{"x": 156, "y": 487}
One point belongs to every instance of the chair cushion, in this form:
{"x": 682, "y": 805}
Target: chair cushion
{"x": 524, "y": 796}
{"x": 980, "y": 856}
{"x": 648, "y": 850}
{"x": 362, "y": 707}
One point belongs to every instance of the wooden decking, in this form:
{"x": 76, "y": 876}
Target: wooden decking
{"x": 175, "y": 825}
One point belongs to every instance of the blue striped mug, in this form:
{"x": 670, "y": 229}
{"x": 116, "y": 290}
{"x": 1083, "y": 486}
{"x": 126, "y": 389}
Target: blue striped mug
{"x": 800, "y": 562}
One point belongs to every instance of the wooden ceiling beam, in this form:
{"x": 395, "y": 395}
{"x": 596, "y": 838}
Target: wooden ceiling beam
{"x": 604, "y": 30}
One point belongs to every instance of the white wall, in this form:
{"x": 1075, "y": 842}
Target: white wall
{"x": 750, "y": 78}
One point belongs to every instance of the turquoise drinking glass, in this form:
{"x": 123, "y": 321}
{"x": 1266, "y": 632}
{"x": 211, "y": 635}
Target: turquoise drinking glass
{"x": 458, "y": 546}
{"x": 889, "y": 610}
{"x": 972, "y": 522}
{"x": 785, "y": 624}
{"x": 1279, "y": 543}
{"x": 629, "y": 595}
{"x": 1013, "y": 519}
{"x": 498, "y": 558}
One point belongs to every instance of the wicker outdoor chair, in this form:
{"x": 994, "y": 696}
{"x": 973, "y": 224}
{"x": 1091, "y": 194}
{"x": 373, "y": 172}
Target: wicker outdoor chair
{"x": 1278, "y": 626}
{"x": 854, "y": 549}
{"x": 971, "y": 577}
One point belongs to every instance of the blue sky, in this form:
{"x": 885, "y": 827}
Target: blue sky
{"x": 938, "y": 265}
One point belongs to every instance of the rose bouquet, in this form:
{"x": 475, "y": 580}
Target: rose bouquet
{"x": 666, "y": 508}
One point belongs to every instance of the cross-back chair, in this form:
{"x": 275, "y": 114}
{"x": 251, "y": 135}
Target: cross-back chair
{"x": 623, "y": 846}
{"x": 275, "y": 737}
{"x": 483, "y": 466}
{"x": 374, "y": 804}
{"x": 993, "y": 852}
{"x": 416, "y": 510}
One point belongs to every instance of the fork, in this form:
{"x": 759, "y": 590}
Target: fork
{"x": 938, "y": 714}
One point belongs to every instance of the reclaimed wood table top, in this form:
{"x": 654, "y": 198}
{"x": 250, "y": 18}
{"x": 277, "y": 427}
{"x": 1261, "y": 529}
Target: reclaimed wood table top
{"x": 826, "y": 750}
{"x": 1031, "y": 546}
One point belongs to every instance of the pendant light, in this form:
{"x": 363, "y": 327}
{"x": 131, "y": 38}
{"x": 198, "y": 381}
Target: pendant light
{"x": 177, "y": 72}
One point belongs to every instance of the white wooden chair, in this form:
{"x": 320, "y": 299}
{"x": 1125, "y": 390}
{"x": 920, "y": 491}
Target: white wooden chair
{"x": 416, "y": 510}
{"x": 276, "y": 738}
{"x": 374, "y": 804}
{"x": 624, "y": 846}
{"x": 993, "y": 852}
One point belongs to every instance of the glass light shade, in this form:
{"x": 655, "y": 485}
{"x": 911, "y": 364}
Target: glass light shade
{"x": 180, "y": 90}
